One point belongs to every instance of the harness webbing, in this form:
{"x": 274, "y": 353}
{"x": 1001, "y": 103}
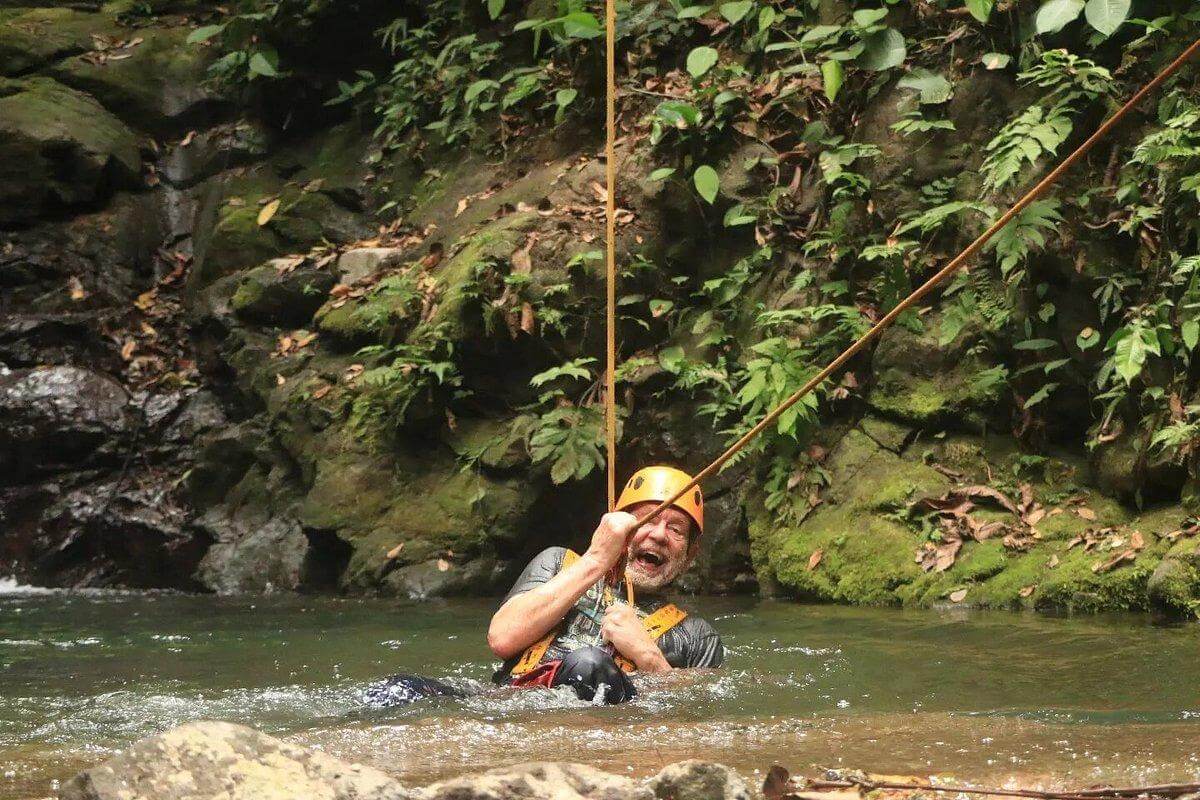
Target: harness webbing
{"x": 656, "y": 624}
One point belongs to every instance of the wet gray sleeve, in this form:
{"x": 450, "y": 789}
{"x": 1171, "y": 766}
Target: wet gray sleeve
{"x": 544, "y": 566}
{"x": 704, "y": 647}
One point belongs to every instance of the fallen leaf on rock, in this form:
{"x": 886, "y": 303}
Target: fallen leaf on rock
{"x": 443, "y": 565}
{"x": 306, "y": 340}
{"x": 957, "y": 597}
{"x": 268, "y": 211}
{"x": 395, "y": 551}
{"x": 352, "y": 372}
{"x": 1115, "y": 561}
{"x": 1025, "y": 591}
{"x": 1086, "y": 513}
{"x": 1053, "y": 562}
{"x": 75, "y": 286}
{"x": 322, "y": 391}
{"x": 1136, "y": 541}
{"x": 127, "y": 349}
{"x": 462, "y": 206}
{"x": 280, "y": 380}
{"x": 191, "y": 135}
{"x": 815, "y": 559}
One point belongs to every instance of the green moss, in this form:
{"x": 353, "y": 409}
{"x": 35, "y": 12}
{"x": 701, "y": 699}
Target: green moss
{"x": 161, "y": 79}
{"x": 58, "y": 146}
{"x": 30, "y": 38}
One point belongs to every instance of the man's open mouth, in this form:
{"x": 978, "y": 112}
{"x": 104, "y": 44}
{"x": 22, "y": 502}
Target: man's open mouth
{"x": 649, "y": 560}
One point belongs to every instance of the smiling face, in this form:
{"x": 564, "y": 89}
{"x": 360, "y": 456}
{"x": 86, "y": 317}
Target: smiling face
{"x": 661, "y": 549}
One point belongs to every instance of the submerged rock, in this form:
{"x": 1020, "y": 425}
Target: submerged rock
{"x": 210, "y": 760}
{"x": 223, "y": 761}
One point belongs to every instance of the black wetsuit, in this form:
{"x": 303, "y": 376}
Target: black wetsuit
{"x": 586, "y": 664}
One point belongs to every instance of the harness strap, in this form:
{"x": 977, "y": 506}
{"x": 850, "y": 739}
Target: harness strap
{"x": 656, "y": 624}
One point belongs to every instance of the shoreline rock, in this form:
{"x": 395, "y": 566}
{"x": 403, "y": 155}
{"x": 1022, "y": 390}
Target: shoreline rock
{"x": 224, "y": 761}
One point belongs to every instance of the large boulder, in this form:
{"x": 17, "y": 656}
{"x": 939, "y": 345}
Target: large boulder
{"x": 211, "y": 760}
{"x": 699, "y": 780}
{"x": 58, "y": 147}
{"x": 151, "y": 78}
{"x": 60, "y": 417}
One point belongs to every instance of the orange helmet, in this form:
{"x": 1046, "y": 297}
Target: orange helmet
{"x": 657, "y": 484}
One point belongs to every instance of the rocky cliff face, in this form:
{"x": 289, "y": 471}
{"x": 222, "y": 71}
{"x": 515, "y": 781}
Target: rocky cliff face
{"x": 228, "y": 365}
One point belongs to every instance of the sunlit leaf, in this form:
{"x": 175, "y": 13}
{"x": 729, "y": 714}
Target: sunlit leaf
{"x": 1054, "y": 15}
{"x": 707, "y": 182}
{"x": 701, "y": 60}
{"x": 1106, "y": 15}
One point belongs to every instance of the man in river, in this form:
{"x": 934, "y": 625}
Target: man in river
{"x": 562, "y": 625}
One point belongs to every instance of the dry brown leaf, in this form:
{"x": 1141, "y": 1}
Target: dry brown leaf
{"x": 958, "y": 596}
{"x": 1025, "y": 591}
{"x": 322, "y": 391}
{"x": 191, "y": 135}
{"x": 1053, "y": 562}
{"x": 127, "y": 349}
{"x": 1086, "y": 513}
{"x": 75, "y": 287}
{"x": 1115, "y": 561}
{"x": 1136, "y": 541}
{"x": 268, "y": 211}
{"x": 443, "y": 565}
{"x": 306, "y": 340}
{"x": 280, "y": 380}
{"x": 815, "y": 559}
{"x": 395, "y": 551}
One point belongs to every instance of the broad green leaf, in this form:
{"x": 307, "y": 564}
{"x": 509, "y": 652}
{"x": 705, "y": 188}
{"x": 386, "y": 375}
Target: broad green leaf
{"x": 766, "y": 18}
{"x": 691, "y": 12}
{"x": 735, "y": 12}
{"x": 1087, "y": 338}
{"x": 1106, "y": 15}
{"x": 658, "y": 307}
{"x": 261, "y": 64}
{"x": 981, "y": 9}
{"x": 933, "y": 87}
{"x": 995, "y": 60}
{"x": 564, "y": 97}
{"x": 1040, "y": 395}
{"x": 495, "y": 8}
{"x": 707, "y": 182}
{"x": 701, "y": 60}
{"x": 581, "y": 25}
{"x": 883, "y": 50}
{"x": 661, "y": 173}
{"x": 1034, "y": 344}
{"x": 1056, "y": 14}
{"x": 1191, "y": 334}
{"x": 204, "y": 33}
{"x": 736, "y": 215}
{"x": 820, "y": 33}
{"x": 866, "y": 17}
{"x": 669, "y": 358}
{"x": 478, "y": 87}
{"x": 832, "y": 75}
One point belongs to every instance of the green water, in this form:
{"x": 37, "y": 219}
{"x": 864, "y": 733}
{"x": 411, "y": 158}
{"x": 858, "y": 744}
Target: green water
{"x": 987, "y": 697}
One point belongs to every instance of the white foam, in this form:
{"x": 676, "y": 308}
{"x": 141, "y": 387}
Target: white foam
{"x": 10, "y": 586}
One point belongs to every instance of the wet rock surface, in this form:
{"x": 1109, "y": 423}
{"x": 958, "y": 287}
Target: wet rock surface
{"x": 219, "y": 760}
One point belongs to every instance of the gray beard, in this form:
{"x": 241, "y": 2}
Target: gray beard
{"x": 650, "y": 585}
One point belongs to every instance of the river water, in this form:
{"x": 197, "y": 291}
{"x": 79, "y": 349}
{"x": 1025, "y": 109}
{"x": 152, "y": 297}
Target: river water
{"x": 985, "y": 697}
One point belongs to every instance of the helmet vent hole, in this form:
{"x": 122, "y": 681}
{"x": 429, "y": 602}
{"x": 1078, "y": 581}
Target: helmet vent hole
{"x": 638, "y": 481}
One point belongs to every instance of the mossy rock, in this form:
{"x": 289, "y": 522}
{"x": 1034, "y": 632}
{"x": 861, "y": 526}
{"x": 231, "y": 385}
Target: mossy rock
{"x": 867, "y": 554}
{"x": 490, "y": 441}
{"x": 236, "y": 240}
{"x": 58, "y": 147}
{"x": 922, "y": 382}
{"x": 268, "y": 296}
{"x": 422, "y": 500}
{"x": 161, "y": 87}
{"x": 33, "y": 37}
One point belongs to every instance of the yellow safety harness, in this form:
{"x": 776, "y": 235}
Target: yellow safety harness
{"x": 656, "y": 624}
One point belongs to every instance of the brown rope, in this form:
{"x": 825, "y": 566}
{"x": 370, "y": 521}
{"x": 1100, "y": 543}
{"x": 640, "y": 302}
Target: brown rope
{"x": 930, "y": 284}
{"x": 610, "y": 327}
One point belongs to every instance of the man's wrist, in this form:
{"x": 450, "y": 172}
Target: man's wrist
{"x": 593, "y": 566}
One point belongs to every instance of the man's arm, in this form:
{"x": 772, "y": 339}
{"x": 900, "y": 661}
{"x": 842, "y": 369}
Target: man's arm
{"x": 526, "y": 617}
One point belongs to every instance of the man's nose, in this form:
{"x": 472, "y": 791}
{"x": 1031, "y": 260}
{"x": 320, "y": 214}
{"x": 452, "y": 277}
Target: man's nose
{"x": 658, "y": 529}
